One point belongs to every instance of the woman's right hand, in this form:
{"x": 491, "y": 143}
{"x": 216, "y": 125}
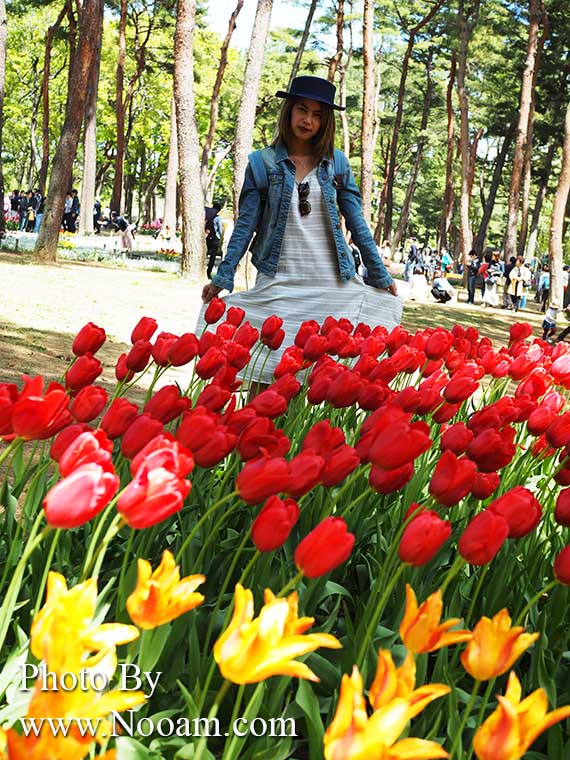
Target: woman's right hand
{"x": 210, "y": 291}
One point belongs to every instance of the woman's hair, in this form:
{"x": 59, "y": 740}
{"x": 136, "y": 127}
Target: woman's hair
{"x": 323, "y": 141}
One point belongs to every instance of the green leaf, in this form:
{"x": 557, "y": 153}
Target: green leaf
{"x": 130, "y": 749}
{"x": 151, "y": 645}
{"x": 309, "y": 704}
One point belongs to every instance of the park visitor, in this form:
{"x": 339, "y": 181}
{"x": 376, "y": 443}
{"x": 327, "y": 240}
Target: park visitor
{"x": 518, "y": 276}
{"x": 473, "y": 267}
{"x": 441, "y": 289}
{"x": 121, "y": 225}
{"x": 214, "y": 233}
{"x": 493, "y": 276}
{"x": 291, "y": 197}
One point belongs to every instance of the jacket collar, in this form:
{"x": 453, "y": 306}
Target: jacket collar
{"x": 281, "y": 154}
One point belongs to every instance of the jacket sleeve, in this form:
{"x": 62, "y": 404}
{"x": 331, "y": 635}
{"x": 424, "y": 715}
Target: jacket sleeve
{"x": 248, "y": 217}
{"x": 350, "y": 205}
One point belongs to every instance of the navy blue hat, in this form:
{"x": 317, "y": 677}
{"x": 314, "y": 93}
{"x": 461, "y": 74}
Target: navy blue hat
{"x": 313, "y": 88}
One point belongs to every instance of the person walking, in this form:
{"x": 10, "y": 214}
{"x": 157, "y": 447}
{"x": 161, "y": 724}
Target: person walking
{"x": 291, "y": 198}
{"x": 472, "y": 274}
{"x": 493, "y": 276}
{"x": 518, "y": 277}
{"x": 214, "y": 233}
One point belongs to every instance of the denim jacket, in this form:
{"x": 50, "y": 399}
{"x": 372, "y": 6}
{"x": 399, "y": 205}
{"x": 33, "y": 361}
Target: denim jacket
{"x": 281, "y": 184}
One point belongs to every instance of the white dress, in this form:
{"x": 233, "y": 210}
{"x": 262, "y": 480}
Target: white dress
{"x": 307, "y": 284}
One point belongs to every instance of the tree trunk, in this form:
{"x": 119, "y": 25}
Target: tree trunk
{"x": 413, "y": 32}
{"x": 45, "y": 99}
{"x": 489, "y": 205}
{"x": 539, "y": 200}
{"x": 192, "y": 199}
{"x": 368, "y": 99}
{"x": 342, "y": 69}
{"x": 557, "y": 223}
{"x": 252, "y": 77}
{"x": 3, "y": 33}
{"x": 449, "y": 195}
{"x": 90, "y": 149}
{"x": 337, "y": 57}
{"x": 405, "y": 213}
{"x": 90, "y": 30}
{"x": 302, "y": 43}
{"x": 169, "y": 214}
{"x": 465, "y": 29}
{"x": 522, "y": 131}
{"x": 221, "y": 156}
{"x": 120, "y": 111}
{"x": 526, "y": 182}
{"x": 214, "y": 104}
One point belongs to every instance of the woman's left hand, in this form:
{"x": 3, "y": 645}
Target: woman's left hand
{"x": 392, "y": 289}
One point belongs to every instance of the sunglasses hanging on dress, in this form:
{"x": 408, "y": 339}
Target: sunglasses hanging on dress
{"x": 303, "y": 189}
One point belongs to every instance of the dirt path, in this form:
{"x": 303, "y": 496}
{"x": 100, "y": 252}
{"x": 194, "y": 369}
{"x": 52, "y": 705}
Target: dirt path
{"x": 43, "y": 307}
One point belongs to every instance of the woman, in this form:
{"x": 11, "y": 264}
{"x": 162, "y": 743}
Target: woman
{"x": 517, "y": 279}
{"x": 493, "y": 276}
{"x": 305, "y": 267}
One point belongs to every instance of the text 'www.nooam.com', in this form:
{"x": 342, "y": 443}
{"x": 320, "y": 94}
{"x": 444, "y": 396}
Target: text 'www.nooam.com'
{"x": 128, "y": 724}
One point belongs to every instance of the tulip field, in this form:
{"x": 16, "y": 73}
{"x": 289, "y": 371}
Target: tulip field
{"x": 367, "y": 560}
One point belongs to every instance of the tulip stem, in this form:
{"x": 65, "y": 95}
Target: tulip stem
{"x": 94, "y": 541}
{"x": 204, "y": 517}
{"x": 11, "y": 448}
{"x": 484, "y": 703}
{"x": 211, "y": 715}
{"x": 452, "y": 572}
{"x": 534, "y": 600}
{"x": 377, "y": 612}
{"x": 465, "y": 718}
{"x": 291, "y": 584}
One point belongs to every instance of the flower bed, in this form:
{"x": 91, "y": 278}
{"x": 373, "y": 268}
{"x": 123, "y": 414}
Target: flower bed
{"x": 353, "y": 563}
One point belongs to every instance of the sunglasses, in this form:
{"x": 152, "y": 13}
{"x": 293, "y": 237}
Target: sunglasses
{"x": 303, "y": 189}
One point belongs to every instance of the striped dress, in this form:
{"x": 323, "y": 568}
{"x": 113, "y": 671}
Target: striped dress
{"x": 307, "y": 284}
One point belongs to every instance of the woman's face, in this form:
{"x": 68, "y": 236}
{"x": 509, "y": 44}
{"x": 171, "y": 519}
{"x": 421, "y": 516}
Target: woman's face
{"x": 306, "y": 119}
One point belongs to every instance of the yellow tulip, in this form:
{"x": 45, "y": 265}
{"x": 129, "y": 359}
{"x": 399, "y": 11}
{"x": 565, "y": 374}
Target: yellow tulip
{"x": 495, "y": 646}
{"x": 421, "y": 629}
{"x": 353, "y": 735}
{"x": 63, "y": 633}
{"x": 251, "y": 650}
{"x": 161, "y": 596}
{"x": 512, "y": 728}
{"x": 391, "y": 682}
{"x": 79, "y": 704}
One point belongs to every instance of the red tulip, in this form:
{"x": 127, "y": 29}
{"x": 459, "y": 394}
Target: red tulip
{"x": 344, "y": 390}
{"x": 339, "y": 464}
{"x": 80, "y": 496}
{"x": 276, "y": 340}
{"x": 214, "y": 311}
{"x": 142, "y": 430}
{"x": 214, "y": 397}
{"x": 89, "y": 403}
{"x": 519, "y": 331}
{"x": 287, "y": 386}
{"x": 216, "y": 448}
{"x": 456, "y": 438}
{"x": 400, "y": 444}
{"x": 144, "y": 329}
{"x": 88, "y": 340}
{"x": 35, "y": 416}
{"x": 485, "y": 484}
{"x": 315, "y": 347}
{"x": 246, "y": 335}
{"x": 90, "y": 447}
{"x": 210, "y": 363}
{"x": 122, "y": 372}
{"x": 305, "y": 331}
{"x": 373, "y": 395}
{"x": 388, "y": 481}
{"x": 84, "y": 371}
{"x": 152, "y": 496}
{"x": 460, "y": 387}
{"x": 161, "y": 348}
{"x": 184, "y": 350}
{"x": 261, "y": 436}
{"x": 562, "y": 566}
{"x": 558, "y": 432}
{"x": 139, "y": 355}
{"x": 438, "y": 344}
{"x": 262, "y": 478}
{"x": 164, "y": 451}
{"x": 269, "y": 404}
{"x": 290, "y": 363}
{"x": 540, "y": 419}
{"x": 423, "y": 537}
{"x": 520, "y": 509}
{"x": 271, "y": 325}
{"x": 327, "y": 546}
{"x": 63, "y": 439}
{"x": 323, "y": 438}
{"x": 197, "y": 426}
{"x": 304, "y": 473}
{"x": 562, "y": 510}
{"x": 118, "y": 417}
{"x": 8, "y": 396}
{"x": 452, "y": 479}
{"x": 445, "y": 412}
{"x": 167, "y": 404}
{"x": 274, "y": 523}
{"x": 492, "y": 449}
{"x": 235, "y": 315}
{"x": 483, "y": 537}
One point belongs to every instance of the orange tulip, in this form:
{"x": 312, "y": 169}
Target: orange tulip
{"x": 391, "y": 682}
{"x": 161, "y": 596}
{"x": 249, "y": 650}
{"x": 421, "y": 630}
{"x": 495, "y": 646}
{"x": 512, "y": 728}
{"x": 353, "y": 735}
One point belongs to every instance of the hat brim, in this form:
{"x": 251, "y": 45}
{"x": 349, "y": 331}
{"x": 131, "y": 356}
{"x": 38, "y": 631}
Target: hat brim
{"x": 309, "y": 96}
